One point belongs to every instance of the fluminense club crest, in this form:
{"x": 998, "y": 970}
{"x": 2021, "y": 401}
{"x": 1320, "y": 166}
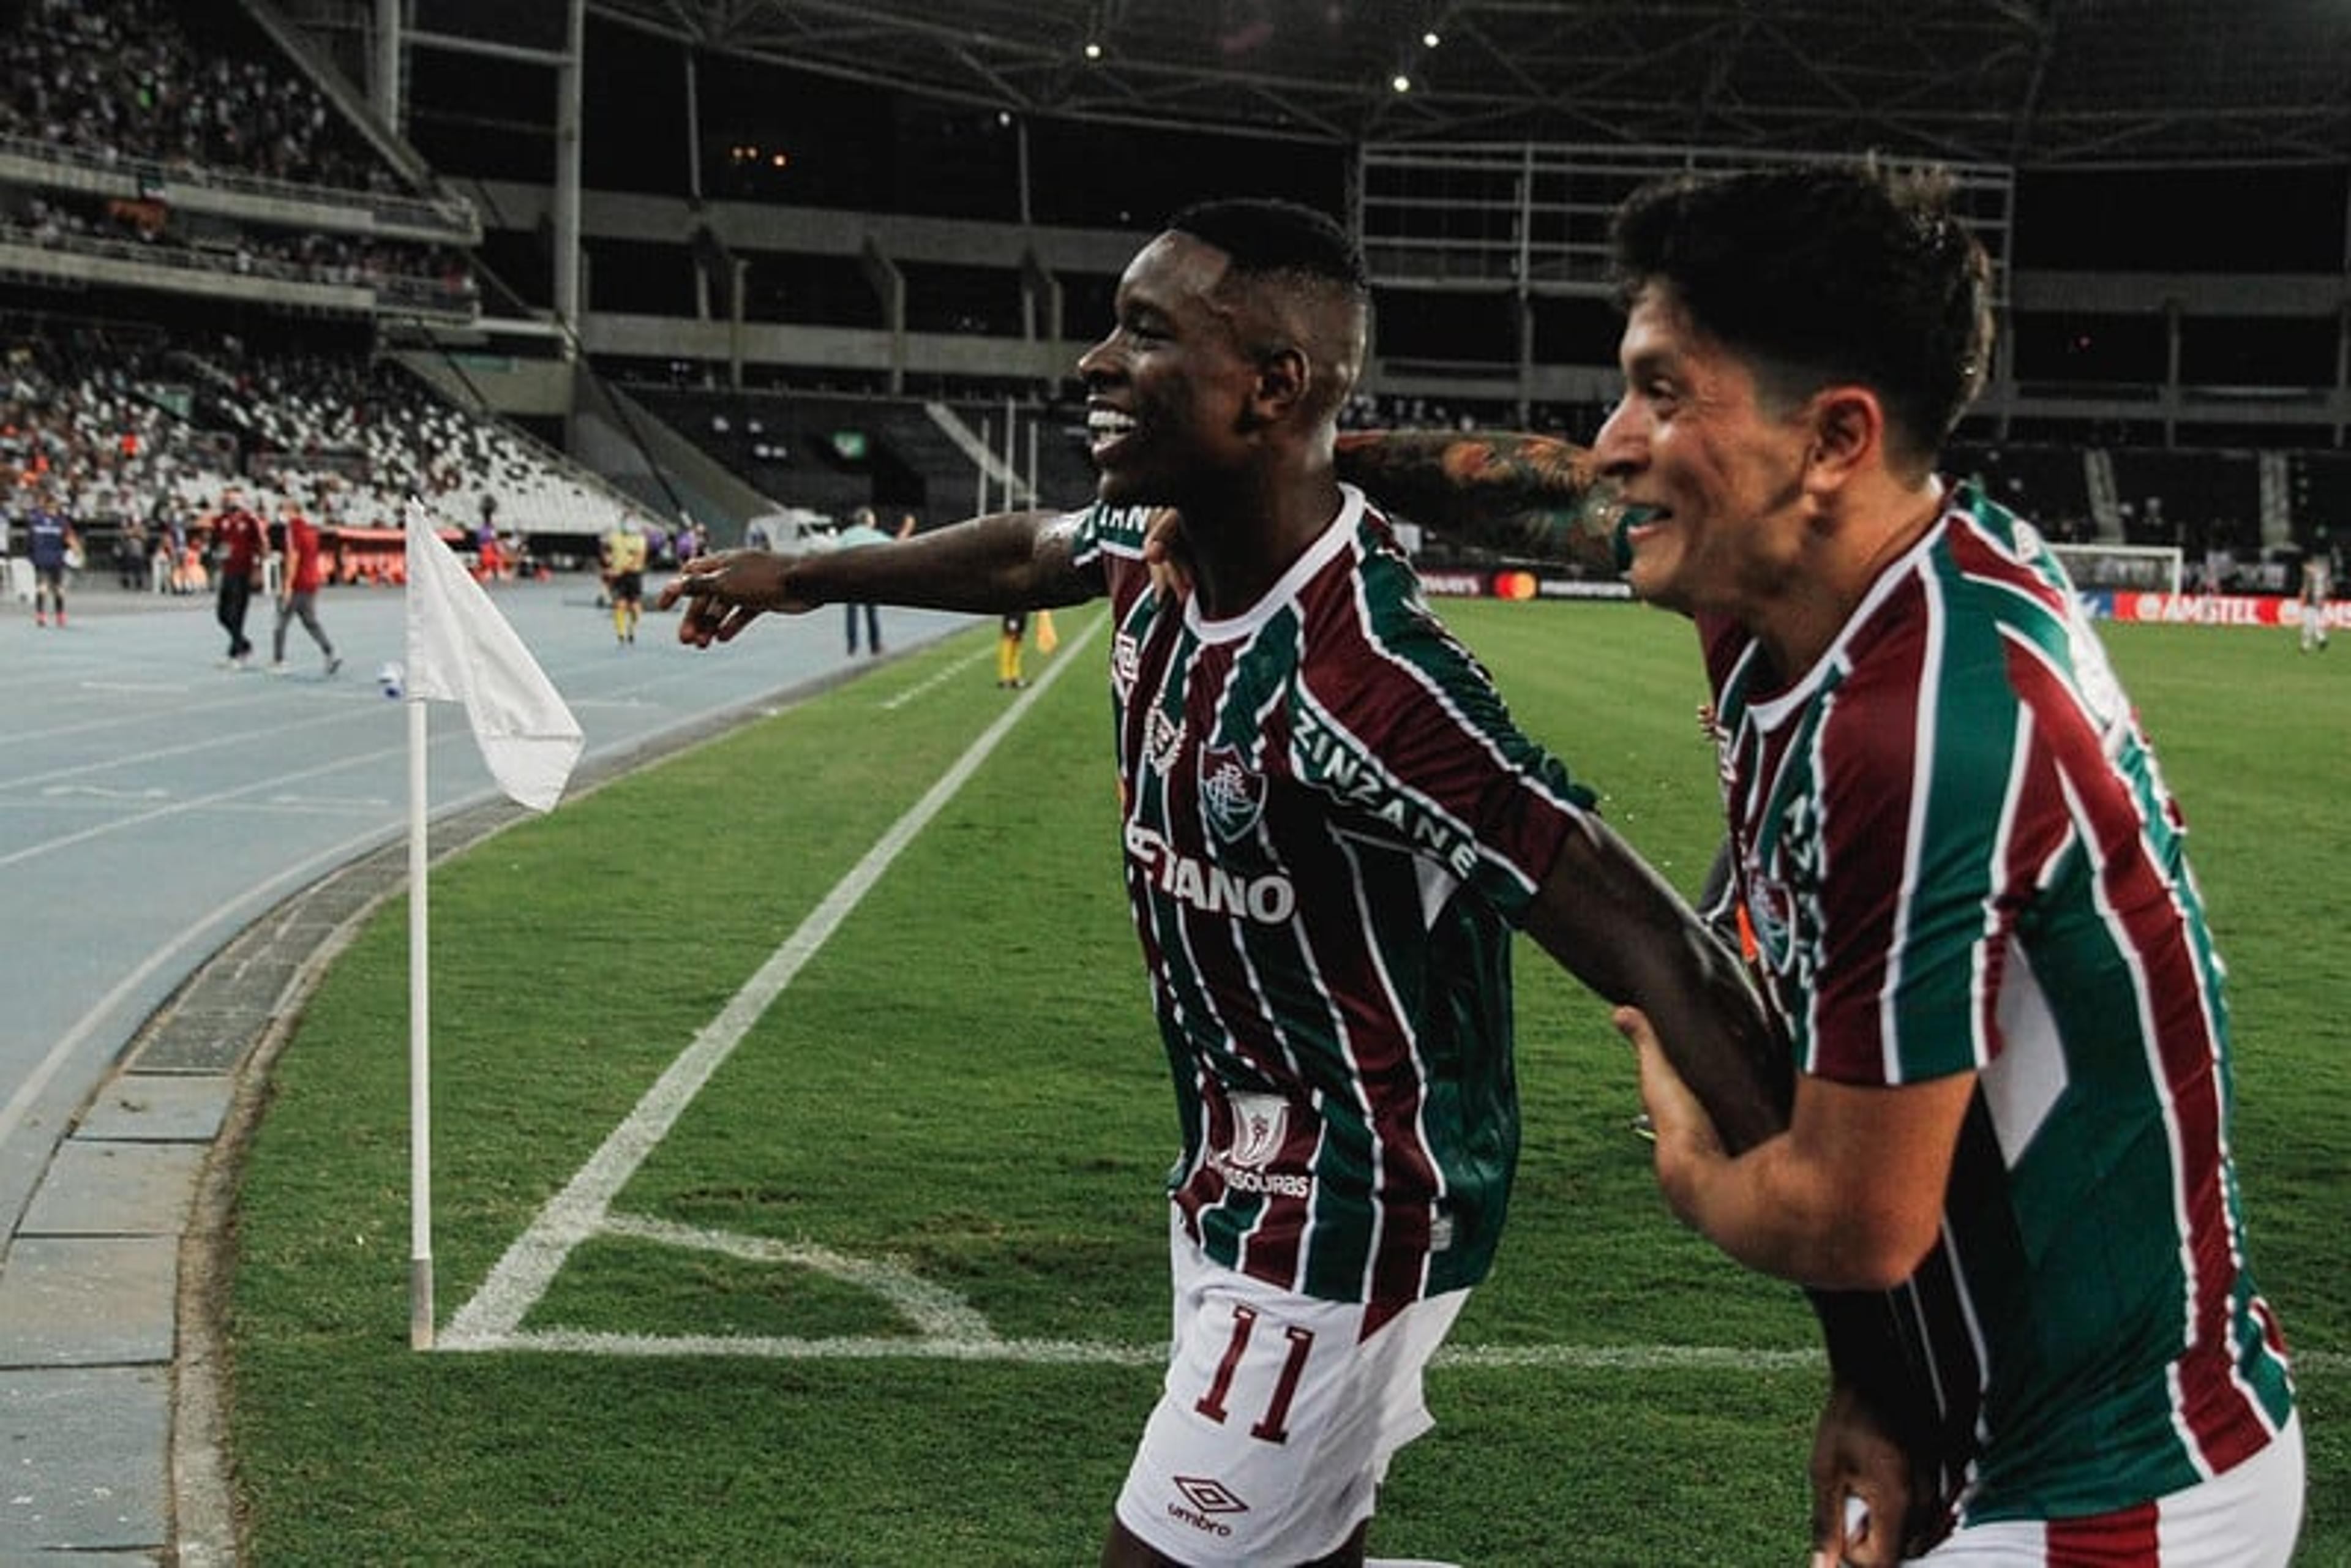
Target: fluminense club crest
{"x": 1771, "y": 915}
{"x": 1232, "y": 795}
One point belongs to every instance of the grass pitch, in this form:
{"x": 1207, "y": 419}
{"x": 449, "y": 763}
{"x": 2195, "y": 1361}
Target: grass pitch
{"x": 890, "y": 1288}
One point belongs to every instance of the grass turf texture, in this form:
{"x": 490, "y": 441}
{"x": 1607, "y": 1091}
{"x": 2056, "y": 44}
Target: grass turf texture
{"x": 966, "y": 1081}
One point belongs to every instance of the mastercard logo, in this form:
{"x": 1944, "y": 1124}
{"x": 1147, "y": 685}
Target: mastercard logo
{"x": 1514, "y": 585}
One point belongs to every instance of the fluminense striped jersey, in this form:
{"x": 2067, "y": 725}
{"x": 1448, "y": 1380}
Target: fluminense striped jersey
{"x": 1329, "y": 820}
{"x": 1957, "y": 854}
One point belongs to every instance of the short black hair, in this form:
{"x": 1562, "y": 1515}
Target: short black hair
{"x": 1264, "y": 237}
{"x": 1283, "y": 249}
{"x": 1844, "y": 272}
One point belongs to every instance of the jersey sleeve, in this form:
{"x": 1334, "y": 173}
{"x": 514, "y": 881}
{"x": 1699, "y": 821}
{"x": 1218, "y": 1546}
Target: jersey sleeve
{"x": 1106, "y": 544}
{"x": 1410, "y": 737}
{"x": 1101, "y": 533}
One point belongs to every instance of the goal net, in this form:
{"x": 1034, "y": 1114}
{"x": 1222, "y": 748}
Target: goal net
{"x": 2140, "y": 568}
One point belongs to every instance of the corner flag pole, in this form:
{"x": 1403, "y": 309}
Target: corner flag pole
{"x": 420, "y": 1051}
{"x": 461, "y": 650}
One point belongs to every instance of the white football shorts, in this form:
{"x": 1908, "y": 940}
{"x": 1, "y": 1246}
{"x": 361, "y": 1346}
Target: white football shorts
{"x": 1278, "y": 1416}
{"x": 2243, "y": 1518}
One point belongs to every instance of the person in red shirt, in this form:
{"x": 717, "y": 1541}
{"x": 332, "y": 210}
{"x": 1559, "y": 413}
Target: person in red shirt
{"x": 297, "y": 589}
{"x": 244, "y": 545}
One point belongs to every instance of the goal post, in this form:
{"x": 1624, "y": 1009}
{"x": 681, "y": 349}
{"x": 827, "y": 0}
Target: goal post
{"x": 2138, "y": 569}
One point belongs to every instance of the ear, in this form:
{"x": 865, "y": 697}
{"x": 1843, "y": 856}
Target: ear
{"x": 1848, "y": 434}
{"x": 1284, "y": 376}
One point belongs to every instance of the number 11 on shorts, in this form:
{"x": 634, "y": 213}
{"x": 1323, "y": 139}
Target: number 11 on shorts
{"x": 1273, "y": 1425}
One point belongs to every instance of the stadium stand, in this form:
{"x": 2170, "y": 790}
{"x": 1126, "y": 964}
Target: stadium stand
{"x": 158, "y": 160}
{"x": 143, "y": 80}
{"x": 117, "y": 423}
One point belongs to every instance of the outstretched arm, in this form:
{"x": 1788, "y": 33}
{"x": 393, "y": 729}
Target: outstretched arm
{"x": 1006, "y": 560}
{"x": 1534, "y": 496}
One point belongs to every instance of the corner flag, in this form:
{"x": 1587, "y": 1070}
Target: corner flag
{"x": 460, "y": 649}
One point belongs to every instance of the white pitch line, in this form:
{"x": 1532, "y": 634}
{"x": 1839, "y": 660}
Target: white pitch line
{"x": 1036, "y": 1353}
{"x": 1644, "y": 1358}
{"x": 530, "y": 1264}
{"x": 937, "y": 1311}
{"x": 923, "y": 688}
{"x": 1106, "y": 1353}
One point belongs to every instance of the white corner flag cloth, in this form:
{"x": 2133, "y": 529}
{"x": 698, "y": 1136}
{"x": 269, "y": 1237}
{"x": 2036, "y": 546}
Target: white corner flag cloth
{"x": 461, "y": 650}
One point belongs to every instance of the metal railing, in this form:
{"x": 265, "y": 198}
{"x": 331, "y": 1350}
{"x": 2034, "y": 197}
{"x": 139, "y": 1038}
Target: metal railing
{"x": 329, "y": 285}
{"x": 450, "y": 218}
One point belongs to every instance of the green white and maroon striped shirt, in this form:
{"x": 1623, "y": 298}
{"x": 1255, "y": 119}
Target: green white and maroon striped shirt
{"x": 1957, "y": 854}
{"x": 1330, "y": 821}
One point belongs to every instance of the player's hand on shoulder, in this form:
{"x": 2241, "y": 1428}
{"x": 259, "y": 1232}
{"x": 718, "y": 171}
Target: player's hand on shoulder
{"x": 1168, "y": 555}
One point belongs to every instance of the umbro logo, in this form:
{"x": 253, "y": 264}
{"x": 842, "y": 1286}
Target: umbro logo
{"x": 1209, "y": 1495}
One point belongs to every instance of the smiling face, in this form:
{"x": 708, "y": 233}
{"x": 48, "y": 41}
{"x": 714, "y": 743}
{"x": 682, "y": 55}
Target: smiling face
{"x": 1168, "y": 392}
{"x": 1716, "y": 466}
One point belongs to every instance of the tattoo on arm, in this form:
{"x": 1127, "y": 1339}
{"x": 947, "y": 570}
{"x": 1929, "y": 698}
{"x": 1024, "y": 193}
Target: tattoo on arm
{"x": 1534, "y": 496}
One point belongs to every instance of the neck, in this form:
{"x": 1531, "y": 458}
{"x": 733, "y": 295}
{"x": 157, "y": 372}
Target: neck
{"x": 1241, "y": 545}
{"x": 1853, "y": 555}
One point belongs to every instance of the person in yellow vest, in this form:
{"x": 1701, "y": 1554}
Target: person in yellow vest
{"x": 1010, "y": 635}
{"x": 624, "y": 577}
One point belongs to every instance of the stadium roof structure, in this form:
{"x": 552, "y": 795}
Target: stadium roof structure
{"x": 2024, "y": 83}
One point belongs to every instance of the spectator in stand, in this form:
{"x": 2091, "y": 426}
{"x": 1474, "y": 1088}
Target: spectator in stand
{"x": 242, "y": 545}
{"x": 85, "y": 407}
{"x": 297, "y": 589}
